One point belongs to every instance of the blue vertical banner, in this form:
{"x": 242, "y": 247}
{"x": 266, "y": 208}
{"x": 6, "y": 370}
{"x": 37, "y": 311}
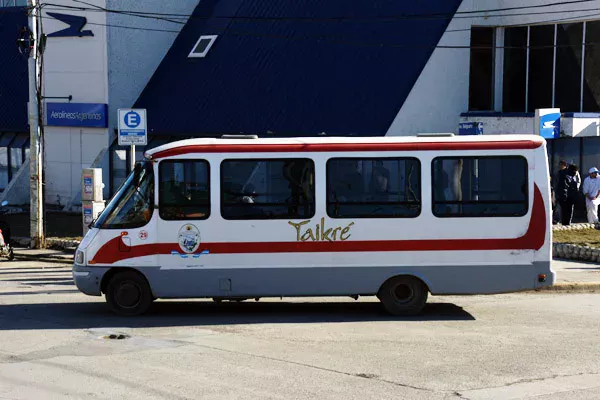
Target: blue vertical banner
{"x": 547, "y": 123}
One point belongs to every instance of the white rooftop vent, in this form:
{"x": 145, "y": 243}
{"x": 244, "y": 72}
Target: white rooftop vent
{"x": 239, "y": 137}
{"x": 202, "y": 46}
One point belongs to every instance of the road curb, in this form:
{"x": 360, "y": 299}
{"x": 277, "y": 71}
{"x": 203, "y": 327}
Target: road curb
{"x": 57, "y": 260}
{"x": 570, "y": 287}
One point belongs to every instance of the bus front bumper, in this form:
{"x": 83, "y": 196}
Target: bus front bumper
{"x": 88, "y": 279}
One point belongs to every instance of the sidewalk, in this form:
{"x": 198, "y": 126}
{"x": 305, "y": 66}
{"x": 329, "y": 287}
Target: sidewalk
{"x": 575, "y": 276}
{"x": 48, "y": 255}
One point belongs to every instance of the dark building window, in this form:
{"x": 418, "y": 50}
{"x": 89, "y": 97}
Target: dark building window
{"x": 373, "y": 188}
{"x": 481, "y": 72}
{"x": 566, "y": 149}
{"x": 480, "y": 187}
{"x": 541, "y": 67}
{"x": 515, "y": 69}
{"x": 268, "y": 189}
{"x": 590, "y": 154}
{"x": 569, "y": 41}
{"x": 591, "y": 84}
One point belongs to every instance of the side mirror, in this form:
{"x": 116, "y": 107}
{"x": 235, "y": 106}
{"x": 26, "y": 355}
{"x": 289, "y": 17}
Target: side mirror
{"x": 4, "y": 203}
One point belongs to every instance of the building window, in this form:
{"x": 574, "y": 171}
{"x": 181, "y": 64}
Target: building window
{"x": 480, "y": 187}
{"x": 544, "y": 66}
{"x": 590, "y": 154}
{"x": 4, "y": 173}
{"x": 13, "y": 3}
{"x": 515, "y": 69}
{"x": 202, "y": 46}
{"x": 541, "y": 65}
{"x": 481, "y": 77}
{"x": 569, "y": 41}
{"x": 591, "y": 83}
{"x": 268, "y": 189}
{"x": 184, "y": 189}
{"x": 373, "y": 188}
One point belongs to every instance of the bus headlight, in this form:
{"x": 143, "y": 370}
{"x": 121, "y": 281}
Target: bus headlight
{"x": 79, "y": 257}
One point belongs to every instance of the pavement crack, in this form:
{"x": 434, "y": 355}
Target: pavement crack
{"x": 316, "y": 367}
{"x": 530, "y": 380}
{"x": 460, "y": 394}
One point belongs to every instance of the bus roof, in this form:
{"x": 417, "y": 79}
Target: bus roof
{"x": 346, "y": 144}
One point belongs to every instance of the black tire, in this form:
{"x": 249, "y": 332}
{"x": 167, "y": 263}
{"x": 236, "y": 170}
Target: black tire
{"x": 11, "y": 254}
{"x": 128, "y": 293}
{"x": 403, "y": 295}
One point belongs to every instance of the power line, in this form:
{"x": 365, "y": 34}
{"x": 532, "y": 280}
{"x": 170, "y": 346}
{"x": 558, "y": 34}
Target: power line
{"x": 536, "y": 23}
{"x": 135, "y": 14}
{"x": 125, "y": 27}
{"x": 456, "y": 15}
{"x": 342, "y": 41}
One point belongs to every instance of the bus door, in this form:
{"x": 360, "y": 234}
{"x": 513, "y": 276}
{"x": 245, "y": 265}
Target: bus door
{"x": 184, "y": 207}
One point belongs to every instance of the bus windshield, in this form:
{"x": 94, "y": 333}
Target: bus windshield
{"x": 133, "y": 204}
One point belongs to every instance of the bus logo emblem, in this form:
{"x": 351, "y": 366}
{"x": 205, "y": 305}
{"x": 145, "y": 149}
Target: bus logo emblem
{"x": 188, "y": 238}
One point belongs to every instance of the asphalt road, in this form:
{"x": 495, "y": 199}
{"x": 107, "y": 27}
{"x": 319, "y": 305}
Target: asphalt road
{"x": 54, "y": 344}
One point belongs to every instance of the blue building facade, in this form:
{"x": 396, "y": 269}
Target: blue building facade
{"x": 14, "y": 94}
{"x": 339, "y": 67}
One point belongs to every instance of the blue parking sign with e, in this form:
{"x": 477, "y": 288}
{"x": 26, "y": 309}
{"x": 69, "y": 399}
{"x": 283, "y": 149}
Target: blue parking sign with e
{"x": 132, "y": 119}
{"x": 132, "y": 127}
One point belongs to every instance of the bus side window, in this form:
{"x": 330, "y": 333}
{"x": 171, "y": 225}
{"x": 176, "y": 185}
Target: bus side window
{"x": 254, "y": 189}
{"x": 184, "y": 189}
{"x": 373, "y": 187}
{"x": 486, "y": 186}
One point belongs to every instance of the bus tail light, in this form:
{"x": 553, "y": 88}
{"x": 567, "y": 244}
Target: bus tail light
{"x": 542, "y": 278}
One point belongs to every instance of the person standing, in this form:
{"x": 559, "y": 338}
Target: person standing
{"x": 567, "y": 189}
{"x": 591, "y": 190}
{"x": 559, "y": 188}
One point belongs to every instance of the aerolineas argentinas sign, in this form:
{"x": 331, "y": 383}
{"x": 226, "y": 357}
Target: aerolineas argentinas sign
{"x": 91, "y": 115}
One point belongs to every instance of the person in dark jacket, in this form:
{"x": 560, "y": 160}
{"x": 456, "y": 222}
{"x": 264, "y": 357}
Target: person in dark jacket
{"x": 566, "y": 192}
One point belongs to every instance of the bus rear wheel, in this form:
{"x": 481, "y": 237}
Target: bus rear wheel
{"x": 403, "y": 295}
{"x": 128, "y": 293}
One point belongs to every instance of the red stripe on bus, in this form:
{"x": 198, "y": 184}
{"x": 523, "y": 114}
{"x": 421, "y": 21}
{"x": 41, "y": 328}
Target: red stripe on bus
{"x": 115, "y": 250}
{"x": 347, "y": 147}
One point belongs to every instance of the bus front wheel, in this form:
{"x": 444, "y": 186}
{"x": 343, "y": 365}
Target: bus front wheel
{"x": 403, "y": 295}
{"x": 128, "y": 293}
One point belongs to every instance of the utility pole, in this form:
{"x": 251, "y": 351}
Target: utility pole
{"x": 37, "y": 236}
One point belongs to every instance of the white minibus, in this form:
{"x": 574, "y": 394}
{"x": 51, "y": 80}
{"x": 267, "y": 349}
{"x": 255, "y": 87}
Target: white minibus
{"x": 392, "y": 217}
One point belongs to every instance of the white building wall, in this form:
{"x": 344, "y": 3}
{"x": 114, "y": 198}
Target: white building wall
{"x": 441, "y": 92}
{"x": 112, "y": 67}
{"x": 136, "y": 46}
{"x": 75, "y": 66}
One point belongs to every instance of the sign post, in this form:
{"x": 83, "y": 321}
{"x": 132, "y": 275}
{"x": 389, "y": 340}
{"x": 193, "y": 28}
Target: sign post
{"x": 132, "y": 129}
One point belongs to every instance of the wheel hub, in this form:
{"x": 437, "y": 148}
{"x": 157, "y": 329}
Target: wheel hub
{"x": 403, "y": 293}
{"x": 128, "y": 295}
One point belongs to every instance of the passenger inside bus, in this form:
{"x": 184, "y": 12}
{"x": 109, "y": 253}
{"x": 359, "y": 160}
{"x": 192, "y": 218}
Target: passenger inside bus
{"x": 240, "y": 202}
{"x": 380, "y": 179}
{"x": 300, "y": 177}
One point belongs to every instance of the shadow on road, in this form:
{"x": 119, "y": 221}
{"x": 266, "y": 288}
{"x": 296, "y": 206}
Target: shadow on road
{"x": 205, "y": 313}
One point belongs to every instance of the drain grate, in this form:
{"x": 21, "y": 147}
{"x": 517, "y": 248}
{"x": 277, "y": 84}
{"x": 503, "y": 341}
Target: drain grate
{"x": 116, "y": 336}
